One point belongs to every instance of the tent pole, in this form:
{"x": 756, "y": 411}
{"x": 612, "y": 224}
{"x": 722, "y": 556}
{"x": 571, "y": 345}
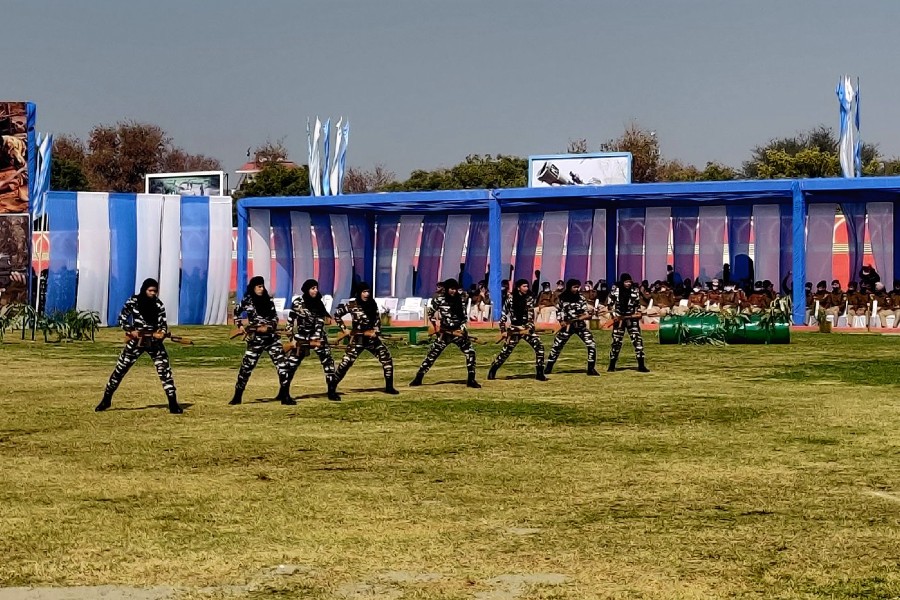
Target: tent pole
{"x": 241, "y": 249}
{"x": 612, "y": 229}
{"x": 495, "y": 235}
{"x": 798, "y": 292}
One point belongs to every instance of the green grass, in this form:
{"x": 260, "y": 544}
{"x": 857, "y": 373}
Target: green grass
{"x": 743, "y": 471}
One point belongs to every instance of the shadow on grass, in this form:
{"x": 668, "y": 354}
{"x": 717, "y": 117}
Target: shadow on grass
{"x": 857, "y": 372}
{"x": 148, "y": 407}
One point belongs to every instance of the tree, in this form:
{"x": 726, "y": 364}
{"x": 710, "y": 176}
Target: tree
{"x": 644, "y": 148}
{"x": 812, "y": 153}
{"x": 360, "y": 181}
{"x": 277, "y": 180}
{"x": 579, "y": 146}
{"x": 475, "y": 172}
{"x": 270, "y": 152}
{"x": 67, "y": 164}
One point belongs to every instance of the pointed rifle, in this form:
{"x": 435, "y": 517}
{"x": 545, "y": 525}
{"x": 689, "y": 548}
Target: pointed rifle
{"x": 621, "y": 319}
{"x": 146, "y": 337}
{"x": 438, "y": 331}
{"x": 519, "y": 331}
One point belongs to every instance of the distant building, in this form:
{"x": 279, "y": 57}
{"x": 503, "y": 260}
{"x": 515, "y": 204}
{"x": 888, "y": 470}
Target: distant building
{"x": 249, "y": 169}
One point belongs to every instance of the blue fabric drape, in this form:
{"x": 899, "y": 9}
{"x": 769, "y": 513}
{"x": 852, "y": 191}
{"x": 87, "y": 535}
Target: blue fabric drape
{"x": 739, "y": 240}
{"x": 433, "y": 228}
{"x": 194, "y": 259}
{"x": 476, "y": 251}
{"x": 855, "y": 215}
{"x": 526, "y": 248}
{"x": 122, "y": 252}
{"x": 284, "y": 254}
{"x": 321, "y": 226}
{"x": 385, "y": 239}
{"x": 62, "y": 281}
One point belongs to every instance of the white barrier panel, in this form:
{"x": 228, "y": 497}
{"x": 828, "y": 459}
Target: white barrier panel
{"x": 93, "y": 253}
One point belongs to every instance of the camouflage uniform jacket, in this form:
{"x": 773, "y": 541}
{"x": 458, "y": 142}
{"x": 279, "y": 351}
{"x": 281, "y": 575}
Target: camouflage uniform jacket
{"x": 130, "y": 319}
{"x": 525, "y": 321}
{"x": 254, "y": 319}
{"x": 634, "y": 301}
{"x": 304, "y": 323}
{"x": 571, "y": 311}
{"x": 439, "y": 308}
{"x": 359, "y": 319}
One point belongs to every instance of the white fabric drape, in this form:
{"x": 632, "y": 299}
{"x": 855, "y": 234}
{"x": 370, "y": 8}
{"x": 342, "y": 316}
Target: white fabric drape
{"x": 301, "y": 234}
{"x": 819, "y": 242}
{"x": 767, "y": 241}
{"x": 656, "y": 242}
{"x": 261, "y": 244}
{"x": 712, "y": 241}
{"x": 93, "y": 253}
{"x": 407, "y": 244}
{"x": 454, "y": 242}
{"x": 556, "y": 224}
{"x": 149, "y": 227}
{"x": 219, "y": 274}
{"x": 597, "y": 264}
{"x": 170, "y": 257}
{"x": 343, "y": 277}
{"x": 881, "y": 233}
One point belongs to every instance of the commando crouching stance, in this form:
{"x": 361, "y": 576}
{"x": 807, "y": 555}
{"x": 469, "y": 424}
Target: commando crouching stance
{"x": 518, "y": 310}
{"x": 365, "y": 334}
{"x": 572, "y": 312}
{"x": 625, "y": 309}
{"x": 144, "y": 320}
{"x": 307, "y": 322}
{"x": 447, "y": 313}
{"x": 262, "y": 336}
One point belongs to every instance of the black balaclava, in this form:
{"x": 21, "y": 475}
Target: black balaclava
{"x": 519, "y": 300}
{"x": 454, "y": 300}
{"x": 147, "y": 306}
{"x": 568, "y": 295}
{"x": 264, "y": 305}
{"x": 370, "y": 307}
{"x": 624, "y": 293}
{"x": 314, "y": 305}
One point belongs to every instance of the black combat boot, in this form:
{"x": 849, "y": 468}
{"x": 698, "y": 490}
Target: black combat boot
{"x": 548, "y": 368}
{"x": 539, "y": 373}
{"x": 105, "y": 403}
{"x": 332, "y": 391}
{"x": 492, "y": 373}
{"x": 592, "y": 368}
{"x": 471, "y": 382}
{"x": 418, "y": 380}
{"x": 612, "y": 366}
{"x": 284, "y": 394}
{"x": 642, "y": 367}
{"x": 174, "y": 407}
{"x": 238, "y": 394}
{"x": 389, "y": 385}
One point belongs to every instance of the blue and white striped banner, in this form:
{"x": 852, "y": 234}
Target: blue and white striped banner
{"x": 102, "y": 247}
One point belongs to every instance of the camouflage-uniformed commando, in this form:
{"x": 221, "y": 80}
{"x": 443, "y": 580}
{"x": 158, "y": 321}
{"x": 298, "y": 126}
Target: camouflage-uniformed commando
{"x": 572, "y": 312}
{"x": 307, "y": 322}
{"x": 365, "y": 334}
{"x": 262, "y": 336}
{"x": 143, "y": 318}
{"x": 447, "y": 312}
{"x": 516, "y": 324}
{"x": 625, "y": 306}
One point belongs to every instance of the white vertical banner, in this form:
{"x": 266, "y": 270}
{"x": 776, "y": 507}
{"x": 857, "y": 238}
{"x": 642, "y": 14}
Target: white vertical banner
{"x": 597, "y": 265}
{"x": 767, "y": 241}
{"x": 301, "y": 236}
{"x": 334, "y": 166}
{"x": 149, "y": 228}
{"x": 819, "y": 241}
{"x": 658, "y": 225}
{"x": 554, "y": 229}
{"x": 509, "y": 227}
{"x": 261, "y": 244}
{"x": 712, "y": 242}
{"x": 881, "y": 233}
{"x": 93, "y": 253}
{"x": 407, "y": 244}
{"x": 219, "y": 274}
{"x": 343, "y": 277}
{"x": 454, "y": 241}
{"x": 170, "y": 257}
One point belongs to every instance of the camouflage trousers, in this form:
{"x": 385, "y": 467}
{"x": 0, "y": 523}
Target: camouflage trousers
{"x": 443, "y": 340}
{"x": 356, "y": 347}
{"x": 130, "y": 353}
{"x": 323, "y": 351}
{"x": 618, "y": 334}
{"x": 512, "y": 341}
{"x": 563, "y": 336}
{"x": 256, "y": 345}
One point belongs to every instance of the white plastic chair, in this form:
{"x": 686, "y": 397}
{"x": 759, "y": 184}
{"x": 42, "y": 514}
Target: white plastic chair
{"x": 280, "y": 307}
{"x": 874, "y": 319}
{"x": 889, "y": 321}
{"x": 327, "y": 300}
{"x": 410, "y": 309}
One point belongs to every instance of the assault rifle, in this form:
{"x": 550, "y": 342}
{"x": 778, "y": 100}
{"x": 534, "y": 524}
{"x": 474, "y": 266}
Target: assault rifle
{"x": 369, "y": 333}
{"x": 145, "y": 337}
{"x": 301, "y": 348}
{"x": 518, "y": 331}
{"x": 621, "y": 318}
{"x": 252, "y": 330}
{"x": 435, "y": 331}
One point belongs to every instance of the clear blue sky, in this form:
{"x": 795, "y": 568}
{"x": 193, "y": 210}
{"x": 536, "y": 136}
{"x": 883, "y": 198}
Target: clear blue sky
{"x": 425, "y": 82}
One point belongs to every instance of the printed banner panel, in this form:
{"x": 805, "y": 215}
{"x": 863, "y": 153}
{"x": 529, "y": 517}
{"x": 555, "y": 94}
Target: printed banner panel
{"x": 13, "y": 157}
{"x": 14, "y": 258}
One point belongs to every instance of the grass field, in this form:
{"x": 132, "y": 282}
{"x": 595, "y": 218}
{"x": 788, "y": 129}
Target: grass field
{"x": 743, "y": 471}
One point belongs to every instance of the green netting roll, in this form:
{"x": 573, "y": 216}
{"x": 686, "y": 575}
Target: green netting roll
{"x": 751, "y": 333}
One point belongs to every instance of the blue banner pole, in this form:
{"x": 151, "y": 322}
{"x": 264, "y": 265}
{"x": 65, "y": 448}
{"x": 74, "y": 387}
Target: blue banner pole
{"x": 798, "y": 224}
{"x": 495, "y": 245}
